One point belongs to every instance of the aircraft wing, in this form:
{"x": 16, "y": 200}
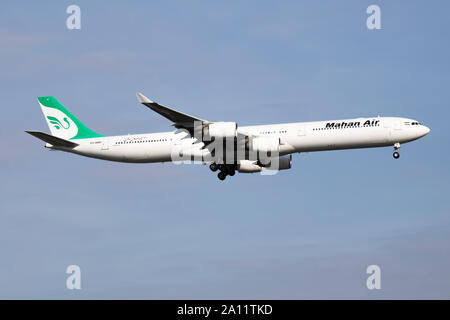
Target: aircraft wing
{"x": 184, "y": 121}
{"x": 180, "y": 120}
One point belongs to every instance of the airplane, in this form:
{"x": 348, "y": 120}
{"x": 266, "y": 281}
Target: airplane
{"x": 197, "y": 139}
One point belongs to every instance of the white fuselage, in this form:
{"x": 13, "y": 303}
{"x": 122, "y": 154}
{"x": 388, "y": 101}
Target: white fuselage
{"x": 294, "y": 137}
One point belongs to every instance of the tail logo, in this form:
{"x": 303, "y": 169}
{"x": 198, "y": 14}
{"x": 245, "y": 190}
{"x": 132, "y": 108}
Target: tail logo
{"x": 58, "y": 124}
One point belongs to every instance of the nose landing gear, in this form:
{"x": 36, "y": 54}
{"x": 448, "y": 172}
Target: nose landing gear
{"x": 396, "y": 155}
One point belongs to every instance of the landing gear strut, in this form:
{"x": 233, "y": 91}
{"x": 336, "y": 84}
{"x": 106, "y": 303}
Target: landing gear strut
{"x": 396, "y": 155}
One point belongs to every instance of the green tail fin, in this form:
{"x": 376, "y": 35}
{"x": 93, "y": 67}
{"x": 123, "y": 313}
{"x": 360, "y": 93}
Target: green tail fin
{"x": 62, "y": 123}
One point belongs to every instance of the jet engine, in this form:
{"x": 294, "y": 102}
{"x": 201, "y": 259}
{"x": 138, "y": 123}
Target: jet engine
{"x": 220, "y": 130}
{"x": 280, "y": 163}
{"x": 284, "y": 162}
{"x": 247, "y": 166}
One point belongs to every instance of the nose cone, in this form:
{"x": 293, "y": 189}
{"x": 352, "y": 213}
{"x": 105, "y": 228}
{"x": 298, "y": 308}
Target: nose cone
{"x": 424, "y": 131}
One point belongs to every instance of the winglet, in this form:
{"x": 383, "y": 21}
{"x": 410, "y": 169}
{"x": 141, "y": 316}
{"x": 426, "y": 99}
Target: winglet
{"x": 143, "y": 99}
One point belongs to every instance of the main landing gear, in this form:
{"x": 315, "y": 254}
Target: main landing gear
{"x": 222, "y": 175}
{"x": 396, "y": 155}
{"x": 224, "y": 169}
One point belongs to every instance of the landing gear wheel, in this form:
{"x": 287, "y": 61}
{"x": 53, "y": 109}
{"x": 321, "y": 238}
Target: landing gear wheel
{"x": 213, "y": 167}
{"x": 396, "y": 155}
{"x": 221, "y": 175}
{"x": 231, "y": 172}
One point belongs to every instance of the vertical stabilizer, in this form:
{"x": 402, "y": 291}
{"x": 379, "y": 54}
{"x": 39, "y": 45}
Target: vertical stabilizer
{"x": 62, "y": 123}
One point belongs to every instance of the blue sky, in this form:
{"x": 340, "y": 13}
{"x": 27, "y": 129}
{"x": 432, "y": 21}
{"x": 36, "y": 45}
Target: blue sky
{"x": 162, "y": 231}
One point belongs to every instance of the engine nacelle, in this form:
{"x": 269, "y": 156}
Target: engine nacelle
{"x": 221, "y": 130}
{"x": 265, "y": 144}
{"x": 247, "y": 166}
{"x": 281, "y": 163}
{"x": 285, "y": 162}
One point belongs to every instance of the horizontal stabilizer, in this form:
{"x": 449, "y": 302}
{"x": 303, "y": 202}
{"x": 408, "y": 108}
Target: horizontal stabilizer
{"x": 55, "y": 141}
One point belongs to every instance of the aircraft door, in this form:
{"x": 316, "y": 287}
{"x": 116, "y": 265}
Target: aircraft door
{"x": 301, "y": 131}
{"x": 388, "y": 132}
{"x": 105, "y": 145}
{"x": 395, "y": 131}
